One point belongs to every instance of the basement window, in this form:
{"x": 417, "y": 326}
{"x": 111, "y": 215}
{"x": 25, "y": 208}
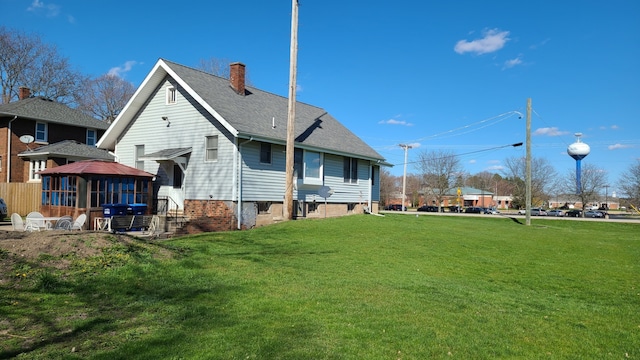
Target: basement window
{"x": 264, "y": 207}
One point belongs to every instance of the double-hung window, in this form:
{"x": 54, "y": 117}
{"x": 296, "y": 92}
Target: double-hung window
{"x": 41, "y": 132}
{"x": 91, "y": 137}
{"x": 350, "y": 170}
{"x": 211, "y": 151}
{"x": 265, "y": 153}
{"x": 139, "y": 153}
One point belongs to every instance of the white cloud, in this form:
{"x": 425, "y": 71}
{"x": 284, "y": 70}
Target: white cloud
{"x": 119, "y": 71}
{"x": 619, "y": 146}
{"x": 472, "y": 161}
{"x": 492, "y": 41}
{"x": 550, "y": 131}
{"x": 50, "y": 10}
{"x": 513, "y": 62}
{"x": 395, "y": 122}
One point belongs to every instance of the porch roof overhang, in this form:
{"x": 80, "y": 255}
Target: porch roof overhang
{"x": 177, "y": 155}
{"x": 166, "y": 154}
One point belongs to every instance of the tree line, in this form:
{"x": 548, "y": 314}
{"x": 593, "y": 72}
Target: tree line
{"x": 440, "y": 172}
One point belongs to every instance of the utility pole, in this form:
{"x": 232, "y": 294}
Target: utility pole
{"x": 290, "y": 147}
{"x": 404, "y": 177}
{"x": 528, "y": 166}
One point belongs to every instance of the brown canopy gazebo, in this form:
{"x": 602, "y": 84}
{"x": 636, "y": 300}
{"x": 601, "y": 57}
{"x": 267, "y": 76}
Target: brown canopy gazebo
{"x": 83, "y": 187}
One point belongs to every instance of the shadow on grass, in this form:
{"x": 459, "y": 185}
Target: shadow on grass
{"x": 98, "y": 313}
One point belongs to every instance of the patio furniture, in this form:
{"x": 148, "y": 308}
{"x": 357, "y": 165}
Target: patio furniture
{"x": 37, "y": 220}
{"x": 79, "y": 222}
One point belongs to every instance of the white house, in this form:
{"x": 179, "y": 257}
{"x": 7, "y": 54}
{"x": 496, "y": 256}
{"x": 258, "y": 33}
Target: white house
{"x": 215, "y": 143}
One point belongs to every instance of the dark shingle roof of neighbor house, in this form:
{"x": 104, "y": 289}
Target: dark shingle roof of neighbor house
{"x": 253, "y": 114}
{"x": 69, "y": 149}
{"x": 39, "y": 108}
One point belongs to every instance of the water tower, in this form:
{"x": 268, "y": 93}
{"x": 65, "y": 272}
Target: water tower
{"x": 578, "y": 151}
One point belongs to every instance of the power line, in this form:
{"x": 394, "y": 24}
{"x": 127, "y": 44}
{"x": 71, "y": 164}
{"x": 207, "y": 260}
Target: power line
{"x": 467, "y": 153}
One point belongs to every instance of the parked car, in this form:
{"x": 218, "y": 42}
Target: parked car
{"x": 573, "y": 213}
{"x": 491, "y": 211}
{"x": 395, "y": 207}
{"x": 538, "y": 212}
{"x": 522, "y": 212}
{"x": 473, "y": 210}
{"x": 3, "y": 209}
{"x": 428, "y": 208}
{"x": 594, "y": 214}
{"x": 555, "y": 212}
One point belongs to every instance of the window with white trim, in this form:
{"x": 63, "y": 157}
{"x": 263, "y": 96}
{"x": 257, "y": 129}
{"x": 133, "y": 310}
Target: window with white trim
{"x": 41, "y": 132}
{"x": 309, "y": 166}
{"x": 211, "y": 151}
{"x": 34, "y": 167}
{"x": 350, "y": 170}
{"x": 172, "y": 95}
{"x": 139, "y": 153}
{"x": 91, "y": 137}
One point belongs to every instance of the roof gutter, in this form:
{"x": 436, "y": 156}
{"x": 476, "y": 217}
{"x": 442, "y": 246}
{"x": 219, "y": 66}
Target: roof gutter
{"x": 9, "y": 148}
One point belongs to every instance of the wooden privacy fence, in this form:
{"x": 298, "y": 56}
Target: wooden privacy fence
{"x": 21, "y": 198}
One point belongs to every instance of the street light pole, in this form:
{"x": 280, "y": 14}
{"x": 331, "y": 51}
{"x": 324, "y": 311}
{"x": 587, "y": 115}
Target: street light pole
{"x": 404, "y": 176}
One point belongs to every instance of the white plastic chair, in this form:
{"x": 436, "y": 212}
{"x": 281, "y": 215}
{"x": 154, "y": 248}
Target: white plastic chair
{"x": 17, "y": 223}
{"x": 79, "y": 223}
{"x": 64, "y": 223}
{"x": 36, "y": 219}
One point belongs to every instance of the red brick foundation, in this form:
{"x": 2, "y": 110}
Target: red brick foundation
{"x": 208, "y": 216}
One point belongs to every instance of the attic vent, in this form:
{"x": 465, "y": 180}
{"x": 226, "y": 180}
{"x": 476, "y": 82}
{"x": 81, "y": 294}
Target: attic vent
{"x": 171, "y": 95}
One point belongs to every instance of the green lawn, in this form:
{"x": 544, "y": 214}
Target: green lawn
{"x": 357, "y": 287}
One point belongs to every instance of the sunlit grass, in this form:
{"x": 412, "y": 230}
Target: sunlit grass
{"x": 358, "y": 287}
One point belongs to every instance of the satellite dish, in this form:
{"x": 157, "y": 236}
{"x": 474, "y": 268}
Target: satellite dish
{"x": 27, "y": 139}
{"x": 325, "y": 191}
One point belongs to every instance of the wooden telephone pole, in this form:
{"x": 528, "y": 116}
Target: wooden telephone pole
{"x": 288, "y": 194}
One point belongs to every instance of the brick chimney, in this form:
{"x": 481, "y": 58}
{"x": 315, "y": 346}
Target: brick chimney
{"x": 236, "y": 77}
{"x": 23, "y": 93}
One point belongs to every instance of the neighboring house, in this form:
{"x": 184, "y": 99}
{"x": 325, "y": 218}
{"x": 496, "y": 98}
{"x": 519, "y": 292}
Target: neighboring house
{"x": 215, "y": 143}
{"x": 34, "y": 122}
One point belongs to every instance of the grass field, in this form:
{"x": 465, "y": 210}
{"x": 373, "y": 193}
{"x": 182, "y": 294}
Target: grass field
{"x": 357, "y": 287}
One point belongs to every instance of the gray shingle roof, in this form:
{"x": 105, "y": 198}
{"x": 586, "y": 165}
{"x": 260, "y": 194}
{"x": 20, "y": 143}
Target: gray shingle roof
{"x": 69, "y": 149}
{"x": 38, "y": 108}
{"x": 253, "y": 115}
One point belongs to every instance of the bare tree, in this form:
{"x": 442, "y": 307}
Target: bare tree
{"x": 219, "y": 67}
{"x": 592, "y": 180}
{"x": 439, "y": 170}
{"x": 542, "y": 179}
{"x": 388, "y": 186}
{"x": 629, "y": 183}
{"x": 104, "y": 97}
{"x": 26, "y": 61}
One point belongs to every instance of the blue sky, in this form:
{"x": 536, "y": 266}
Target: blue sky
{"x": 448, "y": 75}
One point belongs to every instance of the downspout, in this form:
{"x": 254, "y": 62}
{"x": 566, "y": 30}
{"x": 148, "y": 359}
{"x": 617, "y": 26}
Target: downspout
{"x": 9, "y": 148}
{"x": 369, "y": 200}
{"x": 239, "y": 215}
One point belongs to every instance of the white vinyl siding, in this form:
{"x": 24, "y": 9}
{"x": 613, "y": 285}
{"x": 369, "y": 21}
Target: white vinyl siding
{"x": 262, "y": 182}
{"x": 189, "y": 127}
